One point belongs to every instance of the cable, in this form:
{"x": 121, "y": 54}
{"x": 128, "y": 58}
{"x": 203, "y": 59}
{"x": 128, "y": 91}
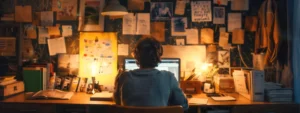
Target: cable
{"x": 240, "y": 54}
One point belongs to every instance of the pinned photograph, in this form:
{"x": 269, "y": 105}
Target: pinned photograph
{"x": 68, "y": 64}
{"x": 223, "y": 59}
{"x": 219, "y": 15}
{"x": 179, "y": 24}
{"x": 66, "y": 9}
{"x": 161, "y": 10}
{"x": 90, "y": 17}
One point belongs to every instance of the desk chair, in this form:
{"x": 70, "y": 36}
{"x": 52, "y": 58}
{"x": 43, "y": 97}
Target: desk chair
{"x": 131, "y": 109}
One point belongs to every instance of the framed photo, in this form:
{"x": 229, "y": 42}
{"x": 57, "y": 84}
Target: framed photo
{"x": 224, "y": 59}
{"x": 161, "y": 10}
{"x": 90, "y": 15}
{"x": 179, "y": 24}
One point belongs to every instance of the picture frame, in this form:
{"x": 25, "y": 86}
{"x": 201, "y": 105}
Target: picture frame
{"x": 92, "y": 21}
{"x": 179, "y": 25}
{"x": 161, "y": 10}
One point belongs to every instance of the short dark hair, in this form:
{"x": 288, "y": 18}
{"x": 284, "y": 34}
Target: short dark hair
{"x": 147, "y": 52}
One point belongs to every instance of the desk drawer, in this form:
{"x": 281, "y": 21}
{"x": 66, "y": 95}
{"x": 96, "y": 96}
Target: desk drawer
{"x": 274, "y": 108}
{"x": 27, "y": 108}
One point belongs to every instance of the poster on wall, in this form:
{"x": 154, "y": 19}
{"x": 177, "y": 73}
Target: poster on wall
{"x": 219, "y": 15}
{"x": 68, "y": 64}
{"x": 90, "y": 15}
{"x": 66, "y": 9}
{"x": 161, "y": 10}
{"x": 98, "y": 53}
{"x": 179, "y": 24}
{"x": 201, "y": 11}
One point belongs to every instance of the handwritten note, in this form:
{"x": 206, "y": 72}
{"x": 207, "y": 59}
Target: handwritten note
{"x": 238, "y": 36}
{"x": 192, "y": 36}
{"x": 129, "y": 24}
{"x": 201, "y": 11}
{"x": 219, "y": 15}
{"x": 23, "y": 14}
{"x": 67, "y": 30}
{"x": 240, "y": 5}
{"x": 123, "y": 49}
{"x": 234, "y": 21}
{"x": 223, "y": 41}
{"x": 207, "y": 36}
{"x": 180, "y": 7}
{"x": 221, "y": 2}
{"x": 47, "y": 18}
{"x": 143, "y": 24}
{"x": 56, "y": 45}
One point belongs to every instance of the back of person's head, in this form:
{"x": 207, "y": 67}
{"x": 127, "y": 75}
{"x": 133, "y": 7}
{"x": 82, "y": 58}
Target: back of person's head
{"x": 148, "y": 52}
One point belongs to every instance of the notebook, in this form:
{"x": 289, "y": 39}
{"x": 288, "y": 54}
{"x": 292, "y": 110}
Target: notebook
{"x": 33, "y": 79}
{"x": 52, "y": 94}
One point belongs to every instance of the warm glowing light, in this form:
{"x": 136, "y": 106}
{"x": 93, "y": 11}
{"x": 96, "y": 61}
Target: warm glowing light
{"x": 94, "y": 69}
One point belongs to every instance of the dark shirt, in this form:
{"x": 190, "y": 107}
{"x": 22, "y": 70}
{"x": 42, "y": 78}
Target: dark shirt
{"x": 148, "y": 87}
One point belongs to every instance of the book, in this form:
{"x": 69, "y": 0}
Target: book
{"x": 74, "y": 84}
{"x": 82, "y": 85}
{"x": 33, "y": 79}
{"x": 102, "y": 96}
{"x": 52, "y": 94}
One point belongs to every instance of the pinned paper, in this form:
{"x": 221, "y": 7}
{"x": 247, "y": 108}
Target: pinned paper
{"x": 211, "y": 48}
{"x": 30, "y": 31}
{"x": 180, "y": 7}
{"x": 192, "y": 36}
{"x": 222, "y": 29}
{"x": 66, "y": 9}
{"x": 251, "y": 23}
{"x": 179, "y": 24}
{"x": 207, "y": 36}
{"x": 129, "y": 24}
{"x": 219, "y": 15}
{"x": 224, "y": 59}
{"x": 143, "y": 24}
{"x": 54, "y": 30}
{"x": 221, "y": 2}
{"x": 123, "y": 49}
{"x": 47, "y": 18}
{"x": 223, "y": 41}
{"x": 201, "y": 11}
{"x": 238, "y": 36}
{"x": 234, "y": 21}
{"x": 240, "y": 5}
{"x": 136, "y": 5}
{"x": 180, "y": 42}
{"x": 158, "y": 31}
{"x": 67, "y": 30}
{"x": 23, "y": 14}
{"x": 56, "y": 46}
{"x": 43, "y": 35}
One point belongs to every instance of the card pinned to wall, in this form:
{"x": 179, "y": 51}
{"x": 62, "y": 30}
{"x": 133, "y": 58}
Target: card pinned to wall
{"x": 179, "y": 25}
{"x": 23, "y": 13}
{"x": 136, "y": 5}
{"x": 239, "y": 5}
{"x": 67, "y": 30}
{"x": 238, "y": 36}
{"x": 221, "y": 2}
{"x": 54, "y": 30}
{"x": 143, "y": 24}
{"x": 201, "y": 11}
{"x": 223, "y": 59}
{"x": 234, "y": 21}
{"x": 123, "y": 49}
{"x": 129, "y": 24}
{"x": 47, "y": 18}
{"x": 158, "y": 31}
{"x": 56, "y": 46}
{"x": 43, "y": 35}
{"x": 30, "y": 31}
{"x": 180, "y": 7}
{"x": 180, "y": 41}
{"x": 192, "y": 36}
{"x": 207, "y": 36}
{"x": 219, "y": 15}
{"x": 66, "y": 9}
{"x": 223, "y": 40}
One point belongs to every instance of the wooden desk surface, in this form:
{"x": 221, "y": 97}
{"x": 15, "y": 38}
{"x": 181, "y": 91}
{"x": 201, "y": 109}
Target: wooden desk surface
{"x": 84, "y": 99}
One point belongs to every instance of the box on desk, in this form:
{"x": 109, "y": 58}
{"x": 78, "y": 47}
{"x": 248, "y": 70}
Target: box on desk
{"x": 11, "y": 89}
{"x": 224, "y": 84}
{"x": 191, "y": 87}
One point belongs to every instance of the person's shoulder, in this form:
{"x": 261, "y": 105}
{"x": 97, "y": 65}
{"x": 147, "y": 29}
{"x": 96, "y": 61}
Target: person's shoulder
{"x": 167, "y": 73}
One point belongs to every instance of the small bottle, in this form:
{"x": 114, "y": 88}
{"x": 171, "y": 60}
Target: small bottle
{"x": 52, "y": 80}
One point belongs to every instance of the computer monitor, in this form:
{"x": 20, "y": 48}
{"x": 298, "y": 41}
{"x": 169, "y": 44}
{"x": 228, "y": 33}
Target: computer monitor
{"x": 168, "y": 64}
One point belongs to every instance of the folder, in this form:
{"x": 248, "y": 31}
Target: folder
{"x": 33, "y": 79}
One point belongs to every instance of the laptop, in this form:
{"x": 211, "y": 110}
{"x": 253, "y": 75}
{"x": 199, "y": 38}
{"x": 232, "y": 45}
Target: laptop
{"x": 168, "y": 64}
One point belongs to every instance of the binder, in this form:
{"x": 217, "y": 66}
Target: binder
{"x": 33, "y": 79}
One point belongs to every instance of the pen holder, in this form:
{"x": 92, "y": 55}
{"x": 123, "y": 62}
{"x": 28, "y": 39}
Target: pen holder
{"x": 191, "y": 87}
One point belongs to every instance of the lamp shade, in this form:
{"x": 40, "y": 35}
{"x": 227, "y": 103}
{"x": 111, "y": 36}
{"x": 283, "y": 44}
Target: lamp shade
{"x": 114, "y": 8}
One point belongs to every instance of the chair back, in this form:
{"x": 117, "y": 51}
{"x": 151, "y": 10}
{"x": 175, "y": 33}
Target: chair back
{"x": 133, "y": 109}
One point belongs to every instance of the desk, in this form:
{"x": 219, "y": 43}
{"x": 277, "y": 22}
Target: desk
{"x": 80, "y": 103}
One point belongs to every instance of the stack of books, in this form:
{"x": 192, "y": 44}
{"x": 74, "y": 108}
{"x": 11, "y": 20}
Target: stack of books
{"x": 275, "y": 93}
{"x": 5, "y": 80}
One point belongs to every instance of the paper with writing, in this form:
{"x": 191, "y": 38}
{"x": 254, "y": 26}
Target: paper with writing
{"x": 221, "y": 2}
{"x": 23, "y": 13}
{"x": 192, "y": 36}
{"x": 234, "y": 21}
{"x": 136, "y": 5}
{"x": 238, "y": 36}
{"x": 219, "y": 15}
{"x": 56, "y": 45}
{"x": 240, "y": 82}
{"x": 201, "y": 11}
{"x": 207, "y": 36}
{"x": 47, "y": 18}
{"x": 67, "y": 30}
{"x": 180, "y": 7}
{"x": 158, "y": 31}
{"x": 224, "y": 37}
{"x": 123, "y": 49}
{"x": 129, "y": 24}
{"x": 240, "y": 5}
{"x": 143, "y": 24}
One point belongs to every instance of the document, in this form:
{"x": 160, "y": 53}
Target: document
{"x": 238, "y": 36}
{"x": 136, "y": 5}
{"x": 123, "y": 49}
{"x": 54, "y": 30}
{"x": 143, "y": 24}
{"x": 219, "y": 15}
{"x": 221, "y": 2}
{"x": 47, "y": 18}
{"x": 129, "y": 24}
{"x": 234, "y": 21}
{"x": 192, "y": 36}
{"x": 240, "y": 5}
{"x": 240, "y": 82}
{"x": 180, "y": 7}
{"x": 43, "y": 35}
{"x": 23, "y": 13}
{"x": 201, "y": 11}
{"x": 223, "y": 40}
{"x": 207, "y": 36}
{"x": 198, "y": 100}
{"x": 56, "y": 45}
{"x": 67, "y": 30}
{"x": 158, "y": 31}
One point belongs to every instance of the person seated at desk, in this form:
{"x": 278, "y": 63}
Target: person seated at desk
{"x": 148, "y": 86}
